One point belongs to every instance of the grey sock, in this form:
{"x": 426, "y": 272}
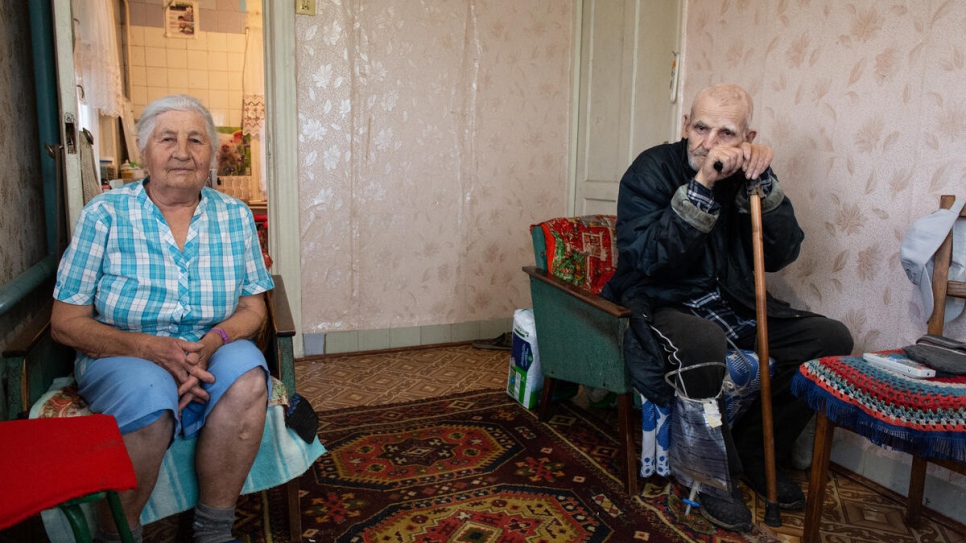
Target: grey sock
{"x": 113, "y": 537}
{"x": 213, "y": 525}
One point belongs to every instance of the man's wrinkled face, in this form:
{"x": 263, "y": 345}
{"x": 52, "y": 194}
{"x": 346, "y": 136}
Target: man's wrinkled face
{"x": 712, "y": 123}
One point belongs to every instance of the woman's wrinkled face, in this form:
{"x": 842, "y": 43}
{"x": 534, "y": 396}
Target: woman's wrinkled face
{"x": 178, "y": 152}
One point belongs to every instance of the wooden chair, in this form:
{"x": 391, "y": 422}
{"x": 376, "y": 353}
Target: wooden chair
{"x": 824, "y": 427}
{"x": 33, "y": 361}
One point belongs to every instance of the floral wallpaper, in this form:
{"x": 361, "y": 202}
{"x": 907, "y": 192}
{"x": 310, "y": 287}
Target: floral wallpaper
{"x": 431, "y": 135}
{"x": 22, "y": 226}
{"x": 864, "y": 103}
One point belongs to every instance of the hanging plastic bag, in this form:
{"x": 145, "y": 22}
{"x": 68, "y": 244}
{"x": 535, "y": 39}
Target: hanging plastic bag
{"x": 697, "y": 450}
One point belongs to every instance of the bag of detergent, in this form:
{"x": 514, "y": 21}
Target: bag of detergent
{"x": 525, "y": 380}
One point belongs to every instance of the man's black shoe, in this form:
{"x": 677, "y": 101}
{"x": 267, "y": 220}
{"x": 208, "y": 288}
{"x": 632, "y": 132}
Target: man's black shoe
{"x": 731, "y": 515}
{"x": 789, "y": 494}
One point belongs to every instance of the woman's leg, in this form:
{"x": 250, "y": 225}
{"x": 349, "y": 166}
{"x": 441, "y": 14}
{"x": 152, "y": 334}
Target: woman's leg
{"x": 233, "y": 424}
{"x": 146, "y": 447}
{"x": 228, "y": 443}
{"x": 142, "y": 397}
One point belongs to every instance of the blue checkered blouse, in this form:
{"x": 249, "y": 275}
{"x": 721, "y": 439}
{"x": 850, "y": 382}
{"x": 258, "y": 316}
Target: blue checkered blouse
{"x": 123, "y": 259}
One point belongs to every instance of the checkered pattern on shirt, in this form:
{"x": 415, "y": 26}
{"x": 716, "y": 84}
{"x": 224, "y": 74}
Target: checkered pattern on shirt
{"x": 124, "y": 260}
{"x": 712, "y": 306}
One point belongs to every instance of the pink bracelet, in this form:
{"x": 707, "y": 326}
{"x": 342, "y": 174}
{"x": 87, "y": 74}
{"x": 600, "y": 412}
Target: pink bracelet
{"x": 222, "y": 333}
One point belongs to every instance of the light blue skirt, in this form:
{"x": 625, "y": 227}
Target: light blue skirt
{"x": 136, "y": 392}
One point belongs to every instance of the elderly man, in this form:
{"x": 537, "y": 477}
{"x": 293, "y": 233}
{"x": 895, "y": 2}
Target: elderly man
{"x": 685, "y": 268}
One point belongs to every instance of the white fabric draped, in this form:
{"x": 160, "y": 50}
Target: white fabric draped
{"x": 253, "y": 89}
{"x": 96, "y": 61}
{"x": 253, "y": 76}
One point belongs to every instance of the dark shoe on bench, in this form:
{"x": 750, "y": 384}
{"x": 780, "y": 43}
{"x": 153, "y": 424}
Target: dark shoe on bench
{"x": 730, "y": 514}
{"x": 789, "y": 494}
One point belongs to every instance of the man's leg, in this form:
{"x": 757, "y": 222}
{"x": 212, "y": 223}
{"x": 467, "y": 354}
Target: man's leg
{"x": 689, "y": 340}
{"x": 790, "y": 342}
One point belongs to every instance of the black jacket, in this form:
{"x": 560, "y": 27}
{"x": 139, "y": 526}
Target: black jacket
{"x": 669, "y": 251}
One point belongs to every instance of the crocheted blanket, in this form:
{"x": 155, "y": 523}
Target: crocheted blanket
{"x": 924, "y": 417}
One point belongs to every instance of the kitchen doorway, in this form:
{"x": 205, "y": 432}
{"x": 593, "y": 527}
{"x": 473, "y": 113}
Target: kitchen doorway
{"x": 213, "y": 51}
{"x": 281, "y": 120}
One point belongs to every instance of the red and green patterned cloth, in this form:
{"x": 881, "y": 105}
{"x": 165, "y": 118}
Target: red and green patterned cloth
{"x": 581, "y": 250}
{"x": 925, "y": 417}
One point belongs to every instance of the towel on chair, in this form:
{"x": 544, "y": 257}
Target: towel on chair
{"x": 282, "y": 456}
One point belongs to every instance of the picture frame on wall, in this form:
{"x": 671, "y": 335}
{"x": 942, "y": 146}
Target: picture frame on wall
{"x": 234, "y": 155}
{"x": 180, "y": 19}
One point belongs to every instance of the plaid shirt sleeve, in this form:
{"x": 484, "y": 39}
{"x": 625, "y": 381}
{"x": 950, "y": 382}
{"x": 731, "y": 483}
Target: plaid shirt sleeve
{"x": 80, "y": 267}
{"x": 767, "y": 182}
{"x": 702, "y": 197}
{"x": 257, "y": 277}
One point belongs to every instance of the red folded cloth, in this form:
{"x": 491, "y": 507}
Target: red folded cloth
{"x": 45, "y": 462}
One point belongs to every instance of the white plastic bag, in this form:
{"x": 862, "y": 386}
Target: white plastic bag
{"x": 697, "y": 451}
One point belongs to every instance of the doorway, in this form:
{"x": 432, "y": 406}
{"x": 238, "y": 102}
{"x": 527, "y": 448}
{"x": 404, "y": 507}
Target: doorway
{"x": 215, "y": 54}
{"x": 281, "y": 163}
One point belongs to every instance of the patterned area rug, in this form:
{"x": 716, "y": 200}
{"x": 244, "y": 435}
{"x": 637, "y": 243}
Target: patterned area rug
{"x": 500, "y": 475}
{"x": 475, "y": 467}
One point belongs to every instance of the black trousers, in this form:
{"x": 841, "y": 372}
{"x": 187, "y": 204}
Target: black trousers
{"x": 690, "y": 340}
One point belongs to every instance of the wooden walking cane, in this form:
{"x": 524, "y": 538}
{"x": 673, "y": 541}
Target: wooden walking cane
{"x": 772, "y": 514}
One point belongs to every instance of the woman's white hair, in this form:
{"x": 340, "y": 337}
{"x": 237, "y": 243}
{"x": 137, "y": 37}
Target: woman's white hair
{"x": 175, "y": 102}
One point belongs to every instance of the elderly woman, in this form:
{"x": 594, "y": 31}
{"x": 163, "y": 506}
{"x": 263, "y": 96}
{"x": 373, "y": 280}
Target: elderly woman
{"x": 159, "y": 292}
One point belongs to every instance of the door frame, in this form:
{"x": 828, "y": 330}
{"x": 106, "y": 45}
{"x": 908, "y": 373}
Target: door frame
{"x": 281, "y": 157}
{"x": 63, "y": 38}
{"x": 281, "y": 146}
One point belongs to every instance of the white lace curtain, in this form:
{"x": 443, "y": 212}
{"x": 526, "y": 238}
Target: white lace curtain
{"x": 253, "y": 76}
{"x": 96, "y": 61}
{"x": 253, "y": 88}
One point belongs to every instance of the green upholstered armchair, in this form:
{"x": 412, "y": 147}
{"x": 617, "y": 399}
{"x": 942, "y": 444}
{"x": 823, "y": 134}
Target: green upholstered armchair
{"x": 580, "y": 335}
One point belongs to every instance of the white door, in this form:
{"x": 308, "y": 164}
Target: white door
{"x": 624, "y": 103}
